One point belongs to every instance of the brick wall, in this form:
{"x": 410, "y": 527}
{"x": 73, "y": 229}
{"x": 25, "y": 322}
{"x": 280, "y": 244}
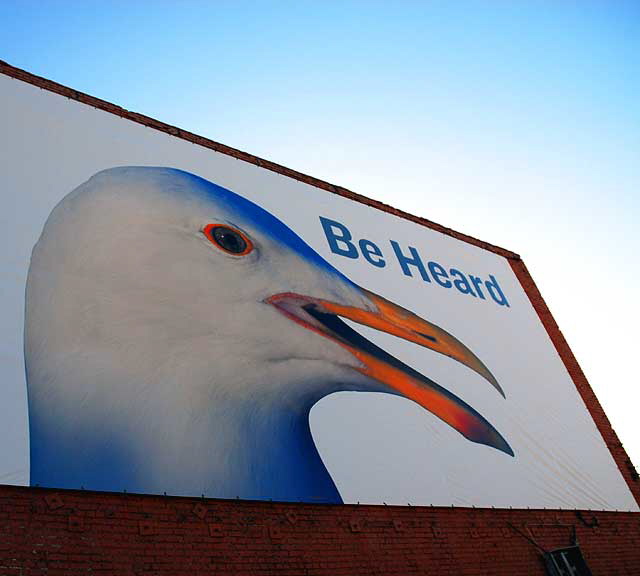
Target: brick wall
{"x": 73, "y": 532}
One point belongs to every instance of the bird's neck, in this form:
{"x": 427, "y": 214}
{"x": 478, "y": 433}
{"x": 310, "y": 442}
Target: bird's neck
{"x": 282, "y": 461}
{"x": 230, "y": 438}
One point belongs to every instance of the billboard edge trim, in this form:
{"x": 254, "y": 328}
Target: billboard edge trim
{"x": 105, "y": 106}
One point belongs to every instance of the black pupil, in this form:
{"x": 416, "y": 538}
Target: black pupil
{"x": 229, "y": 239}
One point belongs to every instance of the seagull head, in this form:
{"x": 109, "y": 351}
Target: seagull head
{"x": 156, "y": 282}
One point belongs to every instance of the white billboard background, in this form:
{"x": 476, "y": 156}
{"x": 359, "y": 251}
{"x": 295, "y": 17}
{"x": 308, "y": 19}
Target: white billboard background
{"x": 378, "y": 448}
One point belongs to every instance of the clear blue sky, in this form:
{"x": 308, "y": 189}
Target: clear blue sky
{"x": 515, "y": 122}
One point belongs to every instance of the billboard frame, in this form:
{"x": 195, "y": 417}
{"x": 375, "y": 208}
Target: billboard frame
{"x": 518, "y": 266}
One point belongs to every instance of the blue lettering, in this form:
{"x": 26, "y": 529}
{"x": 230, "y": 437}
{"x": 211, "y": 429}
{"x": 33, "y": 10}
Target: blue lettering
{"x": 414, "y": 260}
{"x": 439, "y": 274}
{"x": 460, "y": 282}
{"x": 342, "y": 243}
{"x": 372, "y": 253}
{"x": 477, "y": 282}
{"x": 496, "y": 292}
{"x": 342, "y": 236}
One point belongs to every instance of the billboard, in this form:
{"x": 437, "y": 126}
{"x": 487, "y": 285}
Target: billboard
{"x": 179, "y": 321}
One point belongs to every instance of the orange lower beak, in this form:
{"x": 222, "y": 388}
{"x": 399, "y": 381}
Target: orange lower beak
{"x": 394, "y": 319}
{"x": 321, "y": 316}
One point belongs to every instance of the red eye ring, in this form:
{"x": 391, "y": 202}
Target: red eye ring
{"x": 228, "y": 239}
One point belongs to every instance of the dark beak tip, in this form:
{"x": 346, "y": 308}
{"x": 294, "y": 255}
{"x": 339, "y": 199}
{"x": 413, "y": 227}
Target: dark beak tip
{"x": 503, "y": 446}
{"x": 494, "y": 382}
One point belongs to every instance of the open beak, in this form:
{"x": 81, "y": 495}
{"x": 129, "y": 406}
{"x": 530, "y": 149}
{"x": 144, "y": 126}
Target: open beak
{"x": 322, "y": 317}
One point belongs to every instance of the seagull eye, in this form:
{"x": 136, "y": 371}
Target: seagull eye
{"x": 228, "y": 239}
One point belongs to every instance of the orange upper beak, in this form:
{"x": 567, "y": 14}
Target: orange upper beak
{"x": 394, "y": 319}
{"x": 321, "y": 316}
